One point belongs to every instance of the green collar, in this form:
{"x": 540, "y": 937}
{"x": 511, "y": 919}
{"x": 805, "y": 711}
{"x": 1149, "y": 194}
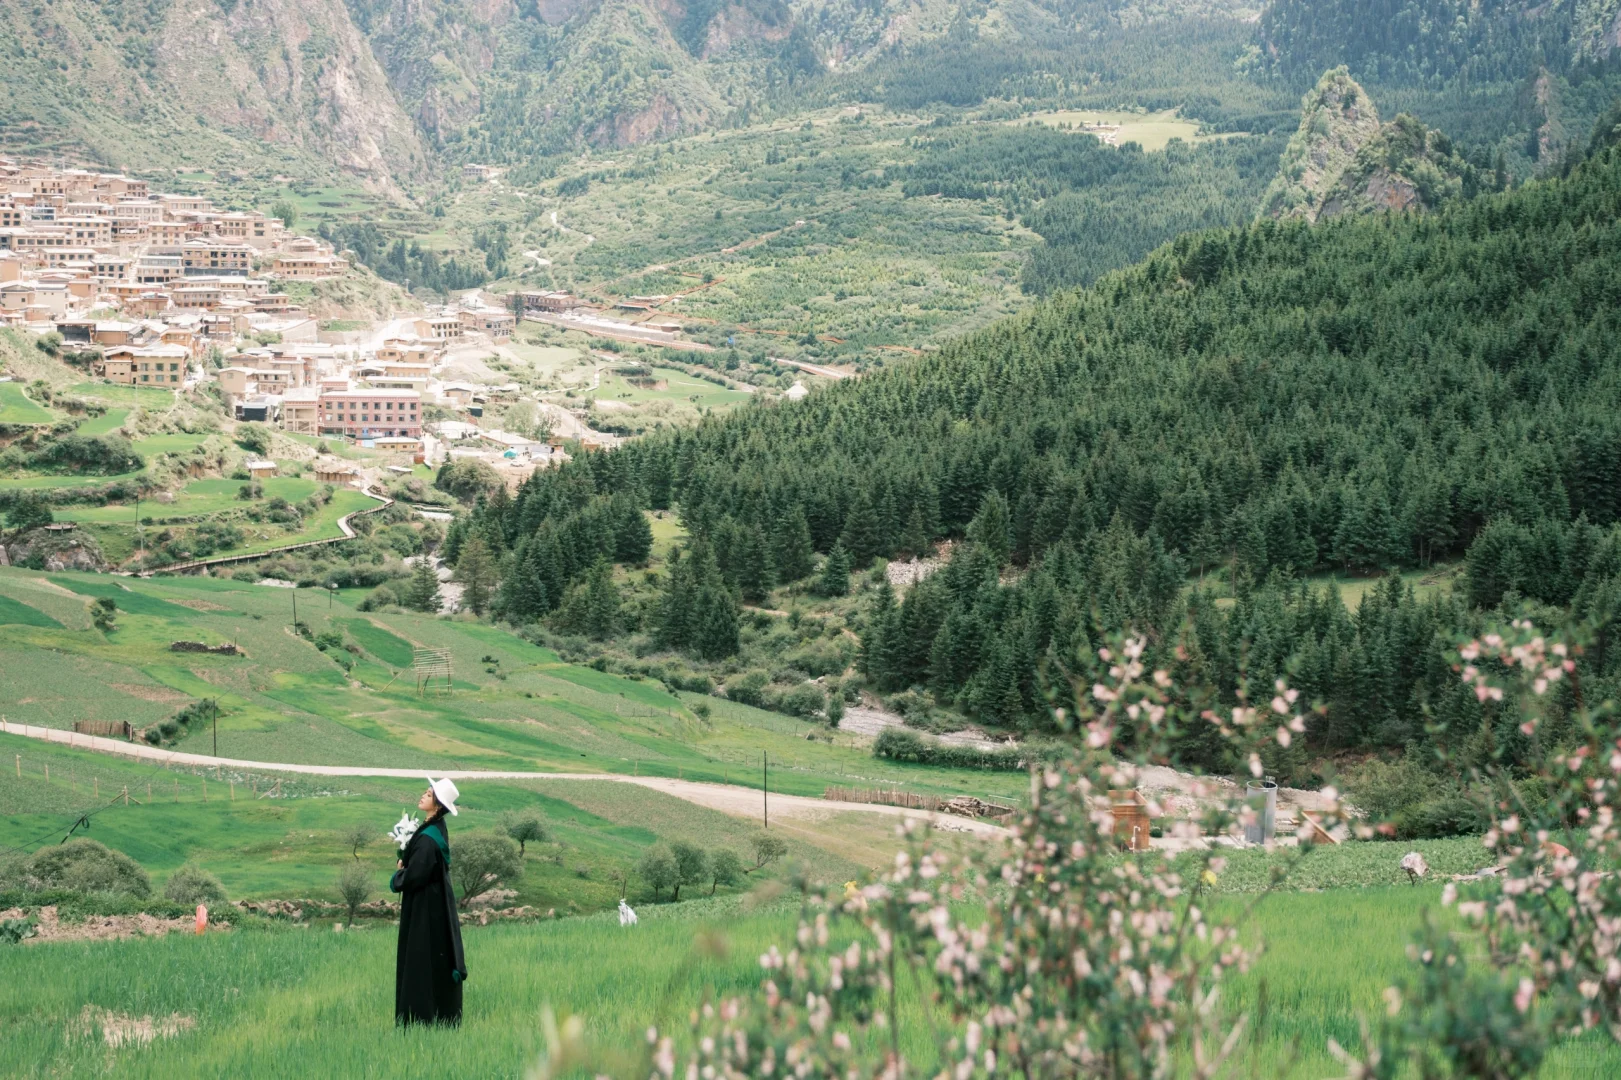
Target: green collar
{"x": 436, "y": 831}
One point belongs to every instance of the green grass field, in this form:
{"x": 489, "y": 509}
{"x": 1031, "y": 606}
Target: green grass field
{"x": 117, "y": 394}
{"x": 200, "y": 498}
{"x": 16, "y": 407}
{"x": 668, "y": 384}
{"x": 286, "y": 701}
{"x": 278, "y": 1001}
{"x": 105, "y": 424}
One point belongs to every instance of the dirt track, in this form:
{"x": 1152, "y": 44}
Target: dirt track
{"x": 728, "y": 799}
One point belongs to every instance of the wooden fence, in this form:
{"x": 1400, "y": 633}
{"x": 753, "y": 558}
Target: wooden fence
{"x": 107, "y": 729}
{"x": 966, "y": 805}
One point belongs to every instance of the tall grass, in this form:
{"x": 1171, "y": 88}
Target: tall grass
{"x": 289, "y": 1002}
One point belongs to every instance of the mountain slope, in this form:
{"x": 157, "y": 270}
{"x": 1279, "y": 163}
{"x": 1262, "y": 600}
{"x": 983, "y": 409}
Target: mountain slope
{"x": 155, "y": 83}
{"x": 1412, "y": 41}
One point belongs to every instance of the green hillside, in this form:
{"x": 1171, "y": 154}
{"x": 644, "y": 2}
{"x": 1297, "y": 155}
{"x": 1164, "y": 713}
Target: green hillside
{"x": 1271, "y": 401}
{"x": 515, "y": 705}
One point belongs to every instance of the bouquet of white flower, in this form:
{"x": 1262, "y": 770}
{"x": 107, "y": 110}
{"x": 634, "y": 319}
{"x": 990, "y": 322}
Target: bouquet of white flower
{"x": 403, "y": 830}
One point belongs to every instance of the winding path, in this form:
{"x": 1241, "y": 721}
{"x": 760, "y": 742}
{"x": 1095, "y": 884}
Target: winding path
{"x": 727, "y": 798}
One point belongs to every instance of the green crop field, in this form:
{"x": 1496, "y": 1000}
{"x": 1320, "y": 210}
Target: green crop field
{"x": 267, "y": 1000}
{"x": 667, "y": 384}
{"x": 17, "y": 408}
{"x": 116, "y": 393}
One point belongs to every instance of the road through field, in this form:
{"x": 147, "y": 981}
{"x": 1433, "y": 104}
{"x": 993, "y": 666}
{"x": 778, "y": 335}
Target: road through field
{"x": 728, "y": 799}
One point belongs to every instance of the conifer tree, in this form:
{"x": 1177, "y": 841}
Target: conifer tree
{"x": 476, "y": 572}
{"x": 752, "y": 567}
{"x": 991, "y": 528}
{"x": 601, "y": 602}
{"x": 834, "y": 579}
{"x": 633, "y": 536}
{"x": 523, "y": 597}
{"x": 914, "y": 540}
{"x": 795, "y": 558}
{"x": 423, "y": 593}
{"x": 861, "y": 539}
{"x": 714, "y": 621}
{"x": 876, "y": 659}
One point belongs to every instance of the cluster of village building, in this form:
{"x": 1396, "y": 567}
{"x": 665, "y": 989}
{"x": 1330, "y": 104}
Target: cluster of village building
{"x": 167, "y": 291}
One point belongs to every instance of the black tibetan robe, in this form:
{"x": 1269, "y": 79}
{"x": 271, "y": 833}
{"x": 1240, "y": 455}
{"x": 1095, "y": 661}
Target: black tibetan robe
{"x": 429, "y": 968}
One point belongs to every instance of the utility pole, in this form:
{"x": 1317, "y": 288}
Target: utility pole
{"x": 765, "y": 788}
{"x": 216, "y": 727}
{"x": 295, "y": 606}
{"x": 140, "y": 537}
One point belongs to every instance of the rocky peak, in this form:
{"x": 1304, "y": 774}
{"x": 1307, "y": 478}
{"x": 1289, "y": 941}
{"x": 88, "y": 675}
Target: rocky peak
{"x": 1337, "y": 118}
{"x": 1342, "y": 160}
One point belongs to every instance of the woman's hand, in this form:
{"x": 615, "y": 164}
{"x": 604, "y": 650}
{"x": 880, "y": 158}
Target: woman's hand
{"x": 399, "y": 864}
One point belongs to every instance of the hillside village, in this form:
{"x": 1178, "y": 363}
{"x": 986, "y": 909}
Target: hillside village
{"x": 167, "y": 291}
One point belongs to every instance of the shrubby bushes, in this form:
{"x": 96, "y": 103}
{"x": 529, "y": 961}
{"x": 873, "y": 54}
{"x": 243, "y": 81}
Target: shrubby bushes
{"x": 93, "y": 455}
{"x": 900, "y": 744}
{"x": 83, "y": 865}
{"x": 191, "y": 885}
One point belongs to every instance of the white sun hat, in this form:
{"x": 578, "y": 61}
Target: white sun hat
{"x": 445, "y": 791}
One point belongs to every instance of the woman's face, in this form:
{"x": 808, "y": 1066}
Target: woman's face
{"x": 427, "y": 804}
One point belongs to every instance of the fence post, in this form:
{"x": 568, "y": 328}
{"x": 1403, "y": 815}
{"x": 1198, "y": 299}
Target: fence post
{"x": 149, "y": 793}
{"x": 177, "y": 789}
{"x": 19, "y": 766}
{"x": 47, "y": 772}
{"x": 233, "y": 791}
{"x": 126, "y": 794}
{"x": 95, "y": 784}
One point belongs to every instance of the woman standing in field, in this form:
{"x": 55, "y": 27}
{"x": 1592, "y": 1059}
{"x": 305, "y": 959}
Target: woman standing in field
{"x": 429, "y": 968}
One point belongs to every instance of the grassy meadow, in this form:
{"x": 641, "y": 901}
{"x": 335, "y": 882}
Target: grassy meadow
{"x": 282, "y": 1001}
{"x": 514, "y": 706}
{"x": 16, "y": 407}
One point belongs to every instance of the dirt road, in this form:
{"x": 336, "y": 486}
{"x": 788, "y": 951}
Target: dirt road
{"x": 736, "y": 801}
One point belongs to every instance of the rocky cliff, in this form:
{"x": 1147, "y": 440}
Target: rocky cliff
{"x": 1342, "y": 160}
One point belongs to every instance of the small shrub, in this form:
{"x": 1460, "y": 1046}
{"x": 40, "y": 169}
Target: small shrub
{"x": 84, "y": 865}
{"x": 483, "y": 862}
{"x": 767, "y": 849}
{"x": 748, "y": 688}
{"x": 1450, "y": 815}
{"x": 900, "y": 744}
{"x": 192, "y": 885}
{"x": 524, "y": 826}
{"x": 804, "y": 700}
{"x": 354, "y": 886}
{"x": 657, "y": 868}
{"x": 13, "y": 931}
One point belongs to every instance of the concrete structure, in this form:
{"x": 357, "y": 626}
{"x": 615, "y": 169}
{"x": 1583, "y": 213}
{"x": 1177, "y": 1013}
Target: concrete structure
{"x": 371, "y": 414}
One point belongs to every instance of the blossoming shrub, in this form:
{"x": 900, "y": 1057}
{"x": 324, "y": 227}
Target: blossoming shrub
{"x": 1051, "y": 955}
{"x": 1547, "y": 905}
{"x": 1048, "y": 955}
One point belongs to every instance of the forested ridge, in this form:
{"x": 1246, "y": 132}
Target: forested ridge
{"x": 1281, "y": 398}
